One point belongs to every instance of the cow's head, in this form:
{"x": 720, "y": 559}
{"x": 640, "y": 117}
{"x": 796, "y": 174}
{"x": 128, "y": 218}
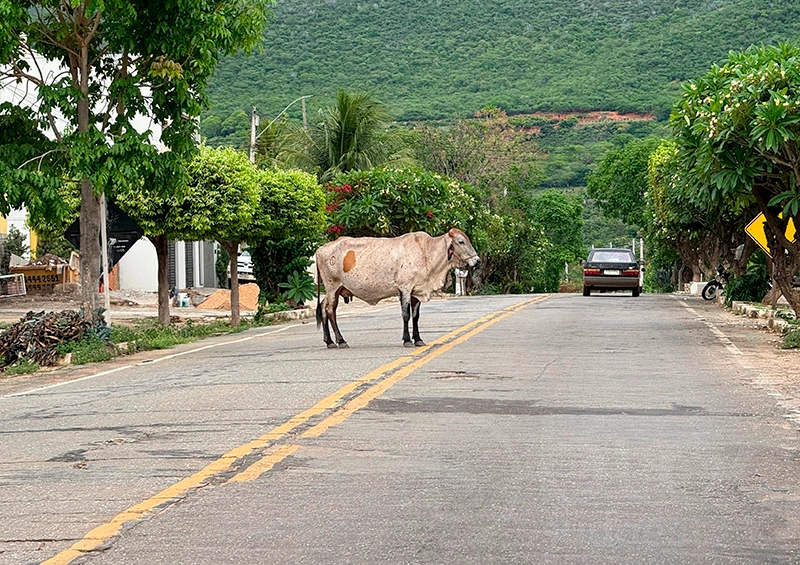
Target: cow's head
{"x": 460, "y": 250}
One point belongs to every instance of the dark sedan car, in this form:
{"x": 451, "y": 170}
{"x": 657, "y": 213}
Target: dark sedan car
{"x": 611, "y": 269}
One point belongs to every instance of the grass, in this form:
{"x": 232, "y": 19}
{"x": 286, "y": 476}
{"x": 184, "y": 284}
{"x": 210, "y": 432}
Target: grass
{"x": 791, "y": 340}
{"x": 147, "y": 335}
{"x": 21, "y": 368}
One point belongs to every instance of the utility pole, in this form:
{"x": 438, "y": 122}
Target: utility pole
{"x": 253, "y": 127}
{"x": 305, "y": 123}
{"x": 254, "y": 123}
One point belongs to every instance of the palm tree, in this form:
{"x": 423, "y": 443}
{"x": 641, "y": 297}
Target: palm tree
{"x": 350, "y": 135}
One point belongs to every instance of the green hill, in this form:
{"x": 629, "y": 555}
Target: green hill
{"x": 440, "y": 58}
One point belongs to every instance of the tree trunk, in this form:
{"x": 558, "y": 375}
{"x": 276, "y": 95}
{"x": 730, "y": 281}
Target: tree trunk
{"x": 90, "y": 204}
{"x": 162, "y": 252}
{"x": 232, "y": 247}
{"x": 90, "y": 249}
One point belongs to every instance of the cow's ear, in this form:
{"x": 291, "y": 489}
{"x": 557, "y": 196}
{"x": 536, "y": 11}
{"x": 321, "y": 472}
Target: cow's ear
{"x": 450, "y": 251}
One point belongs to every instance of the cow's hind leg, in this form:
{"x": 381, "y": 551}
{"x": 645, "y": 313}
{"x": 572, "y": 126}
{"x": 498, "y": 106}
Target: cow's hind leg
{"x": 331, "y": 315}
{"x": 415, "y": 303}
{"x": 322, "y": 314}
{"x": 405, "y": 306}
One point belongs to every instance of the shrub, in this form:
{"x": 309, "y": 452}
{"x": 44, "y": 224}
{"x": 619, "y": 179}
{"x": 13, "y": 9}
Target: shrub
{"x": 791, "y": 340}
{"x": 299, "y": 288}
{"x": 750, "y": 287}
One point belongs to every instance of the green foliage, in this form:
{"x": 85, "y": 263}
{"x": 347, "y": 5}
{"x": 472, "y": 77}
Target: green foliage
{"x": 391, "y": 202}
{"x": 289, "y": 225}
{"x": 791, "y": 340}
{"x": 23, "y": 367}
{"x": 90, "y": 349}
{"x": 350, "y": 135}
{"x": 439, "y": 59}
{"x": 222, "y": 196}
{"x": 752, "y": 285}
{"x": 620, "y": 181}
{"x": 124, "y": 59}
{"x": 749, "y": 287}
{"x": 14, "y": 244}
{"x": 736, "y": 128}
{"x": 561, "y": 217}
{"x": 299, "y": 288}
{"x": 600, "y": 231}
{"x": 221, "y": 267}
{"x": 58, "y": 246}
{"x": 489, "y": 151}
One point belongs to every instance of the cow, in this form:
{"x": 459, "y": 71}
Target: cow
{"x": 410, "y": 266}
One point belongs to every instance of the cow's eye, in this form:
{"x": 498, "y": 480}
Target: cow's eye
{"x": 461, "y": 242}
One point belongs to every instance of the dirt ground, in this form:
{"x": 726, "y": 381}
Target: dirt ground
{"x": 764, "y": 364}
{"x": 125, "y": 306}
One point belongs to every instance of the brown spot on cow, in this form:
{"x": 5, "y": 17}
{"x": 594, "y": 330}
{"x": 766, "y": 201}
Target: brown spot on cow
{"x": 349, "y": 261}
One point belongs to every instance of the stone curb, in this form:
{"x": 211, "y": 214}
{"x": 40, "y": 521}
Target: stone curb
{"x": 749, "y": 310}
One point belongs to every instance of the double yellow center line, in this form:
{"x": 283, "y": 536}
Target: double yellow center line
{"x": 387, "y": 376}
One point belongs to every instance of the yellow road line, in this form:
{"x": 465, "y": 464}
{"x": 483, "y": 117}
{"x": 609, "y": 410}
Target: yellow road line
{"x": 265, "y": 464}
{"x": 101, "y": 534}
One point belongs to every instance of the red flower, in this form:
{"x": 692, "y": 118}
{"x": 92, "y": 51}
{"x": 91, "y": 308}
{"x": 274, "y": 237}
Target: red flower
{"x": 337, "y": 229}
{"x": 332, "y": 206}
{"x": 430, "y": 215}
{"x": 347, "y": 188}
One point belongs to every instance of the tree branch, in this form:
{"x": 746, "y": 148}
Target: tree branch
{"x": 40, "y": 158}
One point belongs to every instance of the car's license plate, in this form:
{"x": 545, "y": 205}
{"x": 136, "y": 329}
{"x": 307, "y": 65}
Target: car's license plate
{"x": 611, "y": 272}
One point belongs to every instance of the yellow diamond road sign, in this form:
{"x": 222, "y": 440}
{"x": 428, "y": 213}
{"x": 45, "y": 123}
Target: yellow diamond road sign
{"x": 755, "y": 229}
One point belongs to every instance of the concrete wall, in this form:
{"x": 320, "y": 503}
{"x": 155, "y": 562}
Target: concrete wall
{"x": 138, "y": 268}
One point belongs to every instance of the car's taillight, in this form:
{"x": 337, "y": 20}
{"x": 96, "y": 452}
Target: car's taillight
{"x": 630, "y": 273}
{"x": 591, "y": 272}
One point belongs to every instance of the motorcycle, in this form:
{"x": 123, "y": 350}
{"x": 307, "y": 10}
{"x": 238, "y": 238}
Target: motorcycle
{"x": 713, "y": 287}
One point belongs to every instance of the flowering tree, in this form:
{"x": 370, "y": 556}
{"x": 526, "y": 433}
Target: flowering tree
{"x": 737, "y": 129}
{"x": 391, "y": 202}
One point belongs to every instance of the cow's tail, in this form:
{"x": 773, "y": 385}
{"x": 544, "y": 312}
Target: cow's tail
{"x": 319, "y": 304}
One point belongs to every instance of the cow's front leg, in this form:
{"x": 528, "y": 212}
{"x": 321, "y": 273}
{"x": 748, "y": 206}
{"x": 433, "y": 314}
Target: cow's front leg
{"x": 415, "y": 303}
{"x": 405, "y": 305}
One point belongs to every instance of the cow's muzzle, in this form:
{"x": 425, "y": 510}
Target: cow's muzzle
{"x": 474, "y": 261}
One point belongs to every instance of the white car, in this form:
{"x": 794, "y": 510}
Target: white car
{"x": 244, "y": 267}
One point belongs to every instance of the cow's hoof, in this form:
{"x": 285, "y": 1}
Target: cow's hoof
{"x": 343, "y": 345}
{"x": 408, "y": 344}
{"x": 419, "y": 343}
{"x": 332, "y": 345}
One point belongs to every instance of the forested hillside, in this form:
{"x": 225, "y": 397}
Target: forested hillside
{"x": 442, "y": 58}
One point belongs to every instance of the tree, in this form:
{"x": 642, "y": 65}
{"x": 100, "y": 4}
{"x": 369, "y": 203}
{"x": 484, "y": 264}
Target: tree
{"x": 678, "y": 228}
{"x": 13, "y": 245}
{"x": 222, "y": 197}
{"x": 288, "y": 225}
{"x": 560, "y": 216}
{"x": 350, "y": 135}
{"x": 484, "y": 151}
{"x": 162, "y": 218}
{"x": 384, "y": 202}
{"x": 114, "y": 60}
{"x": 737, "y": 129}
{"x": 620, "y": 181}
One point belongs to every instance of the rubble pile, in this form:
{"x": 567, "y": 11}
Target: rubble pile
{"x": 221, "y": 299}
{"x": 48, "y": 260}
{"x": 37, "y": 335}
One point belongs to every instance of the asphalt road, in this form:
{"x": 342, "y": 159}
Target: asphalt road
{"x": 559, "y": 429}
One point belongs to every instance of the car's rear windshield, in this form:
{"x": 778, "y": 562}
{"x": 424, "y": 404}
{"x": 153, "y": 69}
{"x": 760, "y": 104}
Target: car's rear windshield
{"x": 612, "y": 257}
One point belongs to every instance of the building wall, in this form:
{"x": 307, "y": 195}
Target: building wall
{"x": 138, "y": 268}
{"x": 189, "y": 264}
